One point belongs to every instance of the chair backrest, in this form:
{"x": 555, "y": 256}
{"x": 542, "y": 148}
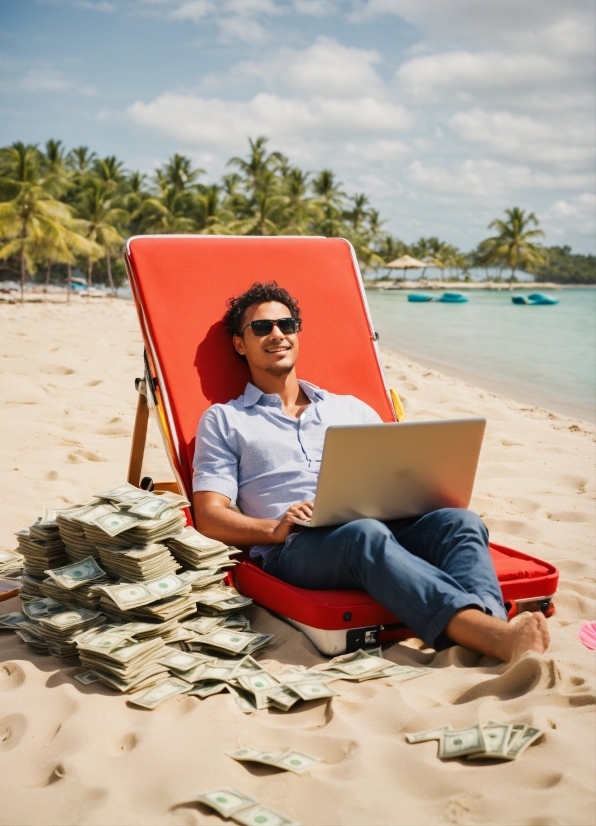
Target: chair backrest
{"x": 180, "y": 286}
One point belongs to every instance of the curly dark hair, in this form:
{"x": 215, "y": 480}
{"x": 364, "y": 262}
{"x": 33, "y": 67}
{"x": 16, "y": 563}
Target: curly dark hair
{"x": 257, "y": 294}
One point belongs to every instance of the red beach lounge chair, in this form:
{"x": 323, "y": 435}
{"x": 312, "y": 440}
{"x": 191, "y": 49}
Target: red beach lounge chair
{"x": 180, "y": 285}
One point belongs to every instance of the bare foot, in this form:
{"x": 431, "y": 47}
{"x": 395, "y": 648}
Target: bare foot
{"x": 496, "y": 638}
{"x": 526, "y": 632}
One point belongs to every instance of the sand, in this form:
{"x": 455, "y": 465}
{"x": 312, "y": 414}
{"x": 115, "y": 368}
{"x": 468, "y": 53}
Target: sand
{"x": 76, "y": 755}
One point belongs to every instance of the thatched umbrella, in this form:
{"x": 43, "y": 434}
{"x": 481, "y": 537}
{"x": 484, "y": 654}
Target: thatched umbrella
{"x": 406, "y": 262}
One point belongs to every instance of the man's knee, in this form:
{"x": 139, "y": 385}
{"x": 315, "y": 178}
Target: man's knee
{"x": 368, "y": 537}
{"x": 465, "y": 521}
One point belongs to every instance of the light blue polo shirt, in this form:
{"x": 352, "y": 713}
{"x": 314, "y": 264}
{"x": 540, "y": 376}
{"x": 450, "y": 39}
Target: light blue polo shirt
{"x": 265, "y": 461}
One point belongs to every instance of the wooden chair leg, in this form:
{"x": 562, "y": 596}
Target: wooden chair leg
{"x": 139, "y": 437}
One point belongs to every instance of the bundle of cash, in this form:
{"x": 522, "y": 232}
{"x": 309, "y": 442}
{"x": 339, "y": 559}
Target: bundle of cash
{"x": 70, "y": 524}
{"x": 292, "y": 760}
{"x": 194, "y": 550}
{"x": 233, "y": 642}
{"x": 243, "y": 809}
{"x": 164, "y": 598}
{"x": 138, "y": 564}
{"x": 491, "y": 741}
{"x": 369, "y": 665}
{"x": 31, "y": 587}
{"x": 73, "y": 584}
{"x": 41, "y": 547}
{"x": 130, "y": 530}
{"x": 220, "y": 600}
{"x": 11, "y": 562}
{"x": 123, "y": 663}
{"x": 60, "y": 629}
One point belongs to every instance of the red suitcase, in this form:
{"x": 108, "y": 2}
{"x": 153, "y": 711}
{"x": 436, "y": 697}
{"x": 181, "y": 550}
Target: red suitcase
{"x": 180, "y": 285}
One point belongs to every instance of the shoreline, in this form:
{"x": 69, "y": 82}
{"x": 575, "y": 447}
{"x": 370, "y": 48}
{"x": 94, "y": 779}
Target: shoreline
{"x": 501, "y": 388}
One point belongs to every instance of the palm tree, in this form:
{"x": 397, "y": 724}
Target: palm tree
{"x": 31, "y": 219}
{"x": 259, "y": 167}
{"x": 109, "y": 170}
{"x": 330, "y": 199}
{"x": 177, "y": 173}
{"x": 101, "y": 220}
{"x": 54, "y": 169}
{"x": 80, "y": 160}
{"x": 513, "y": 245}
{"x": 168, "y": 213}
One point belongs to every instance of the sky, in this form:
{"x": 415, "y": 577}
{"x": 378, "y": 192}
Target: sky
{"x": 444, "y": 112}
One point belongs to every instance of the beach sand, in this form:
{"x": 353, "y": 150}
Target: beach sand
{"x": 80, "y": 755}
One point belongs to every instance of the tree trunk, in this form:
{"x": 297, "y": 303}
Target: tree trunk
{"x": 109, "y": 269}
{"x": 68, "y": 280}
{"x": 23, "y": 273}
{"x": 48, "y": 273}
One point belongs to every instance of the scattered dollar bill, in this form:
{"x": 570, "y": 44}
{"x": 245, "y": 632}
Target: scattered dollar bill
{"x": 156, "y": 695}
{"x": 461, "y": 743}
{"x": 260, "y": 815}
{"x": 86, "y": 678}
{"x": 492, "y": 741}
{"x": 292, "y": 760}
{"x": 528, "y": 736}
{"x": 225, "y": 801}
{"x": 496, "y": 739}
{"x": 11, "y": 562}
{"x": 11, "y": 621}
{"x": 431, "y": 734}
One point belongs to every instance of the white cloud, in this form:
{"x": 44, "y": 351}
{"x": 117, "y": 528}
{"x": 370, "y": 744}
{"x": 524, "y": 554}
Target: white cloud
{"x": 195, "y": 120}
{"x": 486, "y": 178}
{"x": 566, "y": 143}
{"x": 315, "y": 8}
{"x": 578, "y": 213}
{"x": 39, "y": 78}
{"x": 463, "y": 74}
{"x": 325, "y": 68}
{"x": 557, "y": 26}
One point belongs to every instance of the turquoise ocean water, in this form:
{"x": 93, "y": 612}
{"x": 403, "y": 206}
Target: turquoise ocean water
{"x": 535, "y": 355}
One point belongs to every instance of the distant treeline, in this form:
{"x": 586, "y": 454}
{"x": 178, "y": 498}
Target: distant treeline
{"x": 566, "y": 267}
{"x": 61, "y": 209}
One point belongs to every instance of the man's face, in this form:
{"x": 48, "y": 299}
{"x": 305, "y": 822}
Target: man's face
{"x": 276, "y": 353}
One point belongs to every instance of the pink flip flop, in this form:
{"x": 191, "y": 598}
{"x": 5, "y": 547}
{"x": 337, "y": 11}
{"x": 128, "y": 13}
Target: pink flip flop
{"x": 587, "y": 634}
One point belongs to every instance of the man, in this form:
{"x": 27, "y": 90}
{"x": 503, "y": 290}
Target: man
{"x": 263, "y": 450}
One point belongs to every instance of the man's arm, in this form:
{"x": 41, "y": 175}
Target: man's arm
{"x": 215, "y": 519}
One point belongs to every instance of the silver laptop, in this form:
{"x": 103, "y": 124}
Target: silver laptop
{"x": 392, "y": 471}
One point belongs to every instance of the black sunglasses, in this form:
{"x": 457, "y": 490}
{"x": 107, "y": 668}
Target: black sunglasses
{"x": 264, "y": 326}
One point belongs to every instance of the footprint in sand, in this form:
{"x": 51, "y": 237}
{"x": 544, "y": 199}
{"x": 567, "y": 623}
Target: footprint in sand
{"x": 568, "y": 516}
{"x": 78, "y": 456}
{"x": 55, "y": 369}
{"x": 51, "y": 476}
{"x": 11, "y": 676}
{"x": 94, "y": 383}
{"x": 12, "y": 729}
{"x": 125, "y": 744}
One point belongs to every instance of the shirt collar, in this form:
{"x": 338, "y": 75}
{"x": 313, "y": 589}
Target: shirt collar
{"x": 252, "y": 395}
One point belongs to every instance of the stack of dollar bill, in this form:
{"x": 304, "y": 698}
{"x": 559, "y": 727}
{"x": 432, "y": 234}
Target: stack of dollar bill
{"x": 70, "y": 524}
{"x": 58, "y": 629}
{"x": 138, "y": 564}
{"x": 41, "y": 547}
{"x": 241, "y": 808}
{"x": 11, "y": 563}
{"x": 73, "y": 584}
{"x": 196, "y": 551}
{"x": 120, "y": 661}
{"x": 491, "y": 741}
{"x": 164, "y": 598}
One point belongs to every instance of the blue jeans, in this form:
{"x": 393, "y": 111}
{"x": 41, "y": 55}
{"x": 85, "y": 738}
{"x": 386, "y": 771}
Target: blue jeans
{"x": 423, "y": 570}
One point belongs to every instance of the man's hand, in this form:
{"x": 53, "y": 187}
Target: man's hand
{"x": 285, "y": 526}
{"x": 215, "y": 519}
